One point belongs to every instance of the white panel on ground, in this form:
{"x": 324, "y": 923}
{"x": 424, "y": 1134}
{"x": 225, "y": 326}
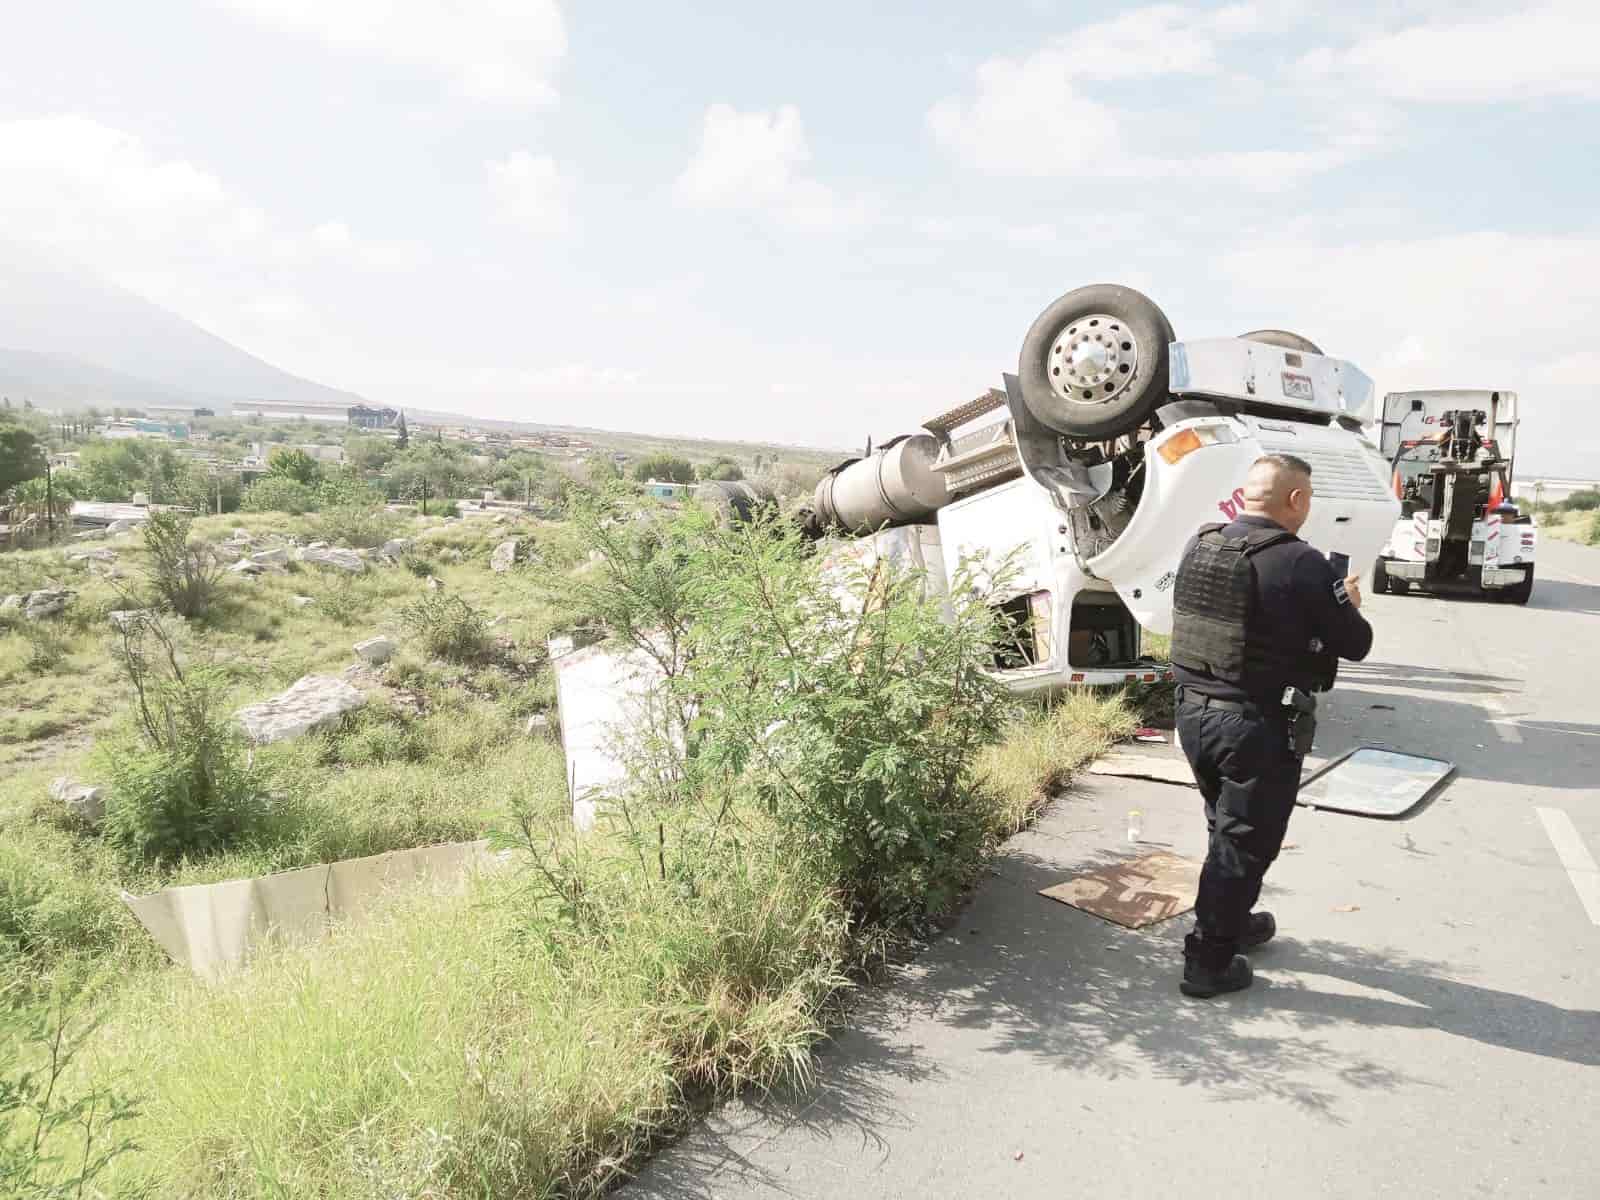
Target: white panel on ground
{"x": 601, "y": 692}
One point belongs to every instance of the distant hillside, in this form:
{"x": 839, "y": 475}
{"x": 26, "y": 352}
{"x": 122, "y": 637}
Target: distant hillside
{"x": 64, "y": 331}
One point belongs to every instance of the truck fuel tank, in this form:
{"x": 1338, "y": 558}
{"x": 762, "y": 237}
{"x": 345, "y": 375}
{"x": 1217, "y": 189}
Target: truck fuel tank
{"x": 894, "y": 485}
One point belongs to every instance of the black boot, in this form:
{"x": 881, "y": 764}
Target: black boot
{"x": 1259, "y": 931}
{"x": 1203, "y": 982}
{"x": 1211, "y": 967}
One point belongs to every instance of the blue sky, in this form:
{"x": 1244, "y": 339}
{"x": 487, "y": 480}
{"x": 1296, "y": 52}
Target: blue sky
{"x": 816, "y": 223}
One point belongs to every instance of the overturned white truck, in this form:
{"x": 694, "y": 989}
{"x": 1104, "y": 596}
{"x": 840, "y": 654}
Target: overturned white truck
{"x": 1116, "y": 444}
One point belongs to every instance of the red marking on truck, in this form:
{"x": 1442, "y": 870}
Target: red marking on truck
{"x": 1233, "y": 505}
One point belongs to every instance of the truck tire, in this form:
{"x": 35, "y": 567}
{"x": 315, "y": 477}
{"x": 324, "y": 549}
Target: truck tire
{"x": 1519, "y": 593}
{"x": 1283, "y": 338}
{"x": 1380, "y": 578}
{"x": 1094, "y": 364}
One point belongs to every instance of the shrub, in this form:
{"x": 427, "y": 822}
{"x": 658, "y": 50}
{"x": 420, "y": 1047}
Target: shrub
{"x": 185, "y": 577}
{"x": 1585, "y": 501}
{"x": 278, "y": 493}
{"x": 449, "y": 628}
{"x": 854, "y": 716}
{"x": 355, "y": 524}
{"x": 1593, "y": 534}
{"x": 181, "y": 784}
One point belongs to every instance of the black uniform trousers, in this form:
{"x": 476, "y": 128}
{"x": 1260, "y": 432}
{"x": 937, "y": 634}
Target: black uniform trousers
{"x": 1249, "y": 777}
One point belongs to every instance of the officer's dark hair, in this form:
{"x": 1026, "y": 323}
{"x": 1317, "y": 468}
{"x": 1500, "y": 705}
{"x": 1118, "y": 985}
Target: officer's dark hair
{"x": 1285, "y": 462}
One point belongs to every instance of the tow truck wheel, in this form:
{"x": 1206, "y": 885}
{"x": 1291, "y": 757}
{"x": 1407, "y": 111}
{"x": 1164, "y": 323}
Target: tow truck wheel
{"x": 1282, "y": 337}
{"x": 1094, "y": 365}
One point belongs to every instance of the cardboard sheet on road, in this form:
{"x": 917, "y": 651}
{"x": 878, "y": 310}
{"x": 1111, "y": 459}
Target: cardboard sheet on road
{"x": 1164, "y": 766}
{"x": 211, "y": 927}
{"x": 1134, "y": 894}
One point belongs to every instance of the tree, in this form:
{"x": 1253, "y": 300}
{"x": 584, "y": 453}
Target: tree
{"x": 722, "y": 468}
{"x": 21, "y": 456}
{"x": 296, "y": 465}
{"x": 402, "y": 437}
{"x": 664, "y": 468}
{"x": 369, "y": 454}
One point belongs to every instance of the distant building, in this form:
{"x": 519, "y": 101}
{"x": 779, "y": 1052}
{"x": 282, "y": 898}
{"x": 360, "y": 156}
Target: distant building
{"x": 362, "y": 416}
{"x": 1551, "y": 491}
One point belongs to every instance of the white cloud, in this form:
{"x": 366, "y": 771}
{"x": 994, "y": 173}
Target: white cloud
{"x": 493, "y": 50}
{"x": 1547, "y": 50}
{"x": 756, "y": 162}
{"x": 1040, "y": 115}
{"x": 531, "y": 192}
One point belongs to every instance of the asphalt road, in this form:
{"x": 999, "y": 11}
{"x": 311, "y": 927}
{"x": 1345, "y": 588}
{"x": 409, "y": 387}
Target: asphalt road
{"x": 1425, "y": 1026}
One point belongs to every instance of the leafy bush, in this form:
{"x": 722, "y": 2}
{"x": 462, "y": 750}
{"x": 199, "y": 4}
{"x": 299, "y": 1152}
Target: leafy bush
{"x": 854, "y": 715}
{"x": 182, "y": 784}
{"x": 186, "y": 577}
{"x": 449, "y": 628}
{"x": 1585, "y": 501}
{"x": 1592, "y": 536}
{"x": 359, "y": 524}
{"x": 278, "y": 493}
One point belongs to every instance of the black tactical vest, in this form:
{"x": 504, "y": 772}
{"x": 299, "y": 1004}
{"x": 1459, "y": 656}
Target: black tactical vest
{"x": 1215, "y": 628}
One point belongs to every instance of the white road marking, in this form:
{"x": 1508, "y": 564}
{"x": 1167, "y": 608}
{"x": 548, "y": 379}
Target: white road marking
{"x": 1575, "y": 857}
{"x": 1503, "y": 725}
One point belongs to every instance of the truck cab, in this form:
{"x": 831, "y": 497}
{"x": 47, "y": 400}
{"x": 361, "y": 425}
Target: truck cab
{"x": 1113, "y": 445}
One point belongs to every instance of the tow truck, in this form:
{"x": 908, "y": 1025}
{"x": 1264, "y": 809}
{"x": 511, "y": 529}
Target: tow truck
{"x": 1452, "y": 454}
{"x": 1111, "y": 445}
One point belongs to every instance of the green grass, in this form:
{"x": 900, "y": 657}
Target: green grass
{"x": 531, "y": 1035}
{"x": 1044, "y": 749}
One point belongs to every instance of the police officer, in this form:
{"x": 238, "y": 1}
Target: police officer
{"x": 1260, "y": 621}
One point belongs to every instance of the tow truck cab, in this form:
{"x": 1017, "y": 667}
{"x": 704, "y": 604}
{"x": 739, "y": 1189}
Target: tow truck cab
{"x": 1452, "y": 455}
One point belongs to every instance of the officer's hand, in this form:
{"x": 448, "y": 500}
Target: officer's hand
{"x": 1352, "y": 589}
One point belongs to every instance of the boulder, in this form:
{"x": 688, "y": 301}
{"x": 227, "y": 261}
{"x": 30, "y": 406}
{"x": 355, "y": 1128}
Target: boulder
{"x": 102, "y": 554}
{"x": 82, "y": 800}
{"x": 450, "y": 554}
{"x": 395, "y": 547}
{"x": 10, "y": 602}
{"x": 271, "y": 558}
{"x": 317, "y": 546}
{"x": 47, "y": 602}
{"x": 539, "y": 725}
{"x": 433, "y": 584}
{"x": 122, "y": 526}
{"x": 89, "y": 535}
{"x": 303, "y": 601}
{"x": 504, "y": 556}
{"x": 375, "y": 650}
{"x": 313, "y": 702}
{"x": 344, "y": 560}
{"x": 245, "y": 567}
{"x": 127, "y": 618}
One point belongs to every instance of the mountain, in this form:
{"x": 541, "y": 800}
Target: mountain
{"x": 65, "y": 334}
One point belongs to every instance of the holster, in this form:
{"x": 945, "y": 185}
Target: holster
{"x": 1301, "y": 708}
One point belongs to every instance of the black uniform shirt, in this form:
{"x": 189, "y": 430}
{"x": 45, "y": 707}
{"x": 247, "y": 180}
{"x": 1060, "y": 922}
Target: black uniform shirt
{"x": 1295, "y": 601}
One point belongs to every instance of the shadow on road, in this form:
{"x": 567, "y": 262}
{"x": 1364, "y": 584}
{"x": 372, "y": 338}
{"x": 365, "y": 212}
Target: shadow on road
{"x": 1559, "y": 595}
{"x": 1019, "y": 975}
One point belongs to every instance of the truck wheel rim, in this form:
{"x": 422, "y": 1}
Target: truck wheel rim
{"x": 1094, "y": 360}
